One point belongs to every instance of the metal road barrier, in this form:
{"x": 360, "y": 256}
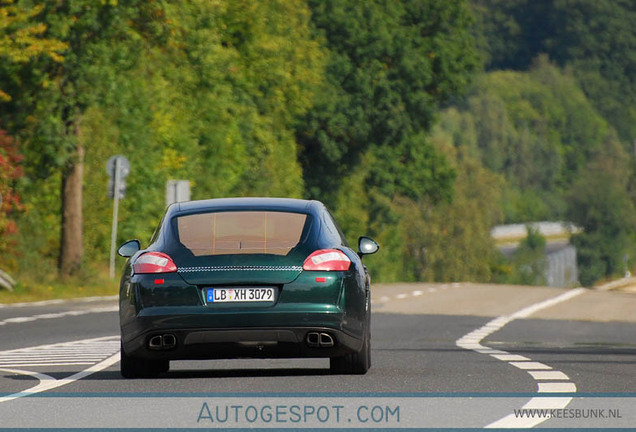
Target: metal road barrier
{"x": 6, "y": 282}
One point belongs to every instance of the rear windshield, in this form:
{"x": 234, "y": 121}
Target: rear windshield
{"x": 241, "y": 232}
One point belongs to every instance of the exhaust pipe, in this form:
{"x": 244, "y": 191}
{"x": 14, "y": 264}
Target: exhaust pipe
{"x": 156, "y": 342}
{"x": 169, "y": 341}
{"x": 326, "y": 340}
{"x": 313, "y": 339}
{"x": 320, "y": 340}
{"x": 162, "y": 342}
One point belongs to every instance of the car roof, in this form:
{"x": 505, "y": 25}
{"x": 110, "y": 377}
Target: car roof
{"x": 245, "y": 204}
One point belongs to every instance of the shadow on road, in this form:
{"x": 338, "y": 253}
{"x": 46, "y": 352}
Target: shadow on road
{"x": 215, "y": 373}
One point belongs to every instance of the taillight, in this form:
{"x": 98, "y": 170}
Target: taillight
{"x": 154, "y": 262}
{"x": 327, "y": 260}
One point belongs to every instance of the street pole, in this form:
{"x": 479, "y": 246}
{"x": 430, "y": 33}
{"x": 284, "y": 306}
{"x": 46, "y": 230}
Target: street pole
{"x": 113, "y": 237}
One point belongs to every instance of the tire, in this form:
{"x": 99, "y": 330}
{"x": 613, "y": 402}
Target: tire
{"x": 133, "y": 367}
{"x": 355, "y": 363}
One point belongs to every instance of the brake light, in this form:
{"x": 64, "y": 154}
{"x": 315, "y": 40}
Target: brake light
{"x": 154, "y": 262}
{"x": 327, "y": 260}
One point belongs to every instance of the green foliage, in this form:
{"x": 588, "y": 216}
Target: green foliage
{"x": 595, "y": 39}
{"x": 537, "y": 129}
{"x": 21, "y": 38}
{"x": 390, "y": 65}
{"x": 560, "y": 159}
{"x": 600, "y": 203}
{"x": 363, "y": 146}
{"x": 529, "y": 260}
{"x": 594, "y": 42}
{"x": 348, "y": 102}
{"x": 199, "y": 90}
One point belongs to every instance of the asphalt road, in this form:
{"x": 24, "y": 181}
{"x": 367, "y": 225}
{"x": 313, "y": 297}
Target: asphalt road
{"x": 471, "y": 354}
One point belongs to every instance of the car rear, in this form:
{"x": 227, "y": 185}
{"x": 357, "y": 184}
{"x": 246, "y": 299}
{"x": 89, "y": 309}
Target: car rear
{"x": 246, "y": 282}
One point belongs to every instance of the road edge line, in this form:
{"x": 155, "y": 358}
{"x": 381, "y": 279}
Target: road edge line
{"x": 472, "y": 341}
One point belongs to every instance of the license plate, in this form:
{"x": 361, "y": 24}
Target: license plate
{"x": 225, "y": 295}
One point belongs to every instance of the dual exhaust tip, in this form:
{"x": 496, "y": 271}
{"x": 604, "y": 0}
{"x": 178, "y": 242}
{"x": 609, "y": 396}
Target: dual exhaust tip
{"x": 320, "y": 340}
{"x": 162, "y": 342}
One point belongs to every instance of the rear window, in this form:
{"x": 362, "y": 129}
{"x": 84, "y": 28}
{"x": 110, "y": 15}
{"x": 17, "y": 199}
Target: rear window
{"x": 241, "y": 232}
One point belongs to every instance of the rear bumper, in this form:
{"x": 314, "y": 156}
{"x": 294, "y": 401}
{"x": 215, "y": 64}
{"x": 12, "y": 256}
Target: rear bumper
{"x": 200, "y": 334}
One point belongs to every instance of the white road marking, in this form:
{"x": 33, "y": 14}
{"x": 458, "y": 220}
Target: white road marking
{"x": 31, "y": 364}
{"x": 472, "y": 341}
{"x": 83, "y": 352}
{"x": 530, "y": 365}
{"x": 548, "y": 375}
{"x": 18, "y": 320}
{"x": 58, "y": 301}
{"x": 108, "y": 347}
{"x": 557, "y": 387}
{"x": 510, "y": 357}
{"x": 402, "y": 296}
{"x": 490, "y": 351}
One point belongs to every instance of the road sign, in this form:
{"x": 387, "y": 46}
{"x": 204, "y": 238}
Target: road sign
{"x": 124, "y": 166}
{"x": 118, "y": 169}
{"x": 177, "y": 191}
{"x": 121, "y": 188}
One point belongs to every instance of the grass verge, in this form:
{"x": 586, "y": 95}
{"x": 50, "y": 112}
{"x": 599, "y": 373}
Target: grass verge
{"x": 30, "y": 288}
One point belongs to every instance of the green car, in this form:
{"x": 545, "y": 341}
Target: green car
{"x": 245, "y": 277}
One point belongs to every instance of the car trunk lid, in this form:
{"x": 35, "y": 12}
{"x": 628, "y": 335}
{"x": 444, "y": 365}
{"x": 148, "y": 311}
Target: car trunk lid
{"x": 240, "y": 270}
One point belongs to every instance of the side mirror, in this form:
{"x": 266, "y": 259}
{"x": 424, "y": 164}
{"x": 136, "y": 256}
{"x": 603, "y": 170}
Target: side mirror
{"x": 367, "y": 246}
{"x": 129, "y": 248}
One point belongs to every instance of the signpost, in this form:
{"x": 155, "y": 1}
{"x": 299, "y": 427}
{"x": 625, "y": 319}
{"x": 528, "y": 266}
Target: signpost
{"x": 118, "y": 169}
{"x": 177, "y": 191}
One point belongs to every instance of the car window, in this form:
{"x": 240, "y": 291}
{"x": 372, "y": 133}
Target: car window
{"x": 241, "y": 232}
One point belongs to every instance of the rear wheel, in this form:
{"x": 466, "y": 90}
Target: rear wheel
{"x": 354, "y": 363}
{"x": 133, "y": 367}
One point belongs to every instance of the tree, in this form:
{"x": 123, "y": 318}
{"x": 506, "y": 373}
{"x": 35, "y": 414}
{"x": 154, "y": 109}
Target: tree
{"x": 254, "y": 67}
{"x": 21, "y": 37}
{"x": 208, "y": 91}
{"x": 538, "y": 129}
{"x": 594, "y": 38}
{"x": 52, "y": 96}
{"x": 599, "y": 202}
{"x": 10, "y": 172}
{"x": 390, "y": 66}
{"x": 529, "y": 260}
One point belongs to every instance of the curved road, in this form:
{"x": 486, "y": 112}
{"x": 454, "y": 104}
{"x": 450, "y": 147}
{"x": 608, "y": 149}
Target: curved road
{"x": 453, "y": 355}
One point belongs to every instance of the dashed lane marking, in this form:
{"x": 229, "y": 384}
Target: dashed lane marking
{"x": 529, "y": 365}
{"x": 57, "y": 301}
{"x": 415, "y": 293}
{"x": 559, "y": 382}
{"x": 20, "y": 320}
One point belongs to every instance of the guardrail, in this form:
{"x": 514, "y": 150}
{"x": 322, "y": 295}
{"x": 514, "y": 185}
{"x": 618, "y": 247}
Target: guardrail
{"x": 514, "y": 233}
{"x": 6, "y": 282}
